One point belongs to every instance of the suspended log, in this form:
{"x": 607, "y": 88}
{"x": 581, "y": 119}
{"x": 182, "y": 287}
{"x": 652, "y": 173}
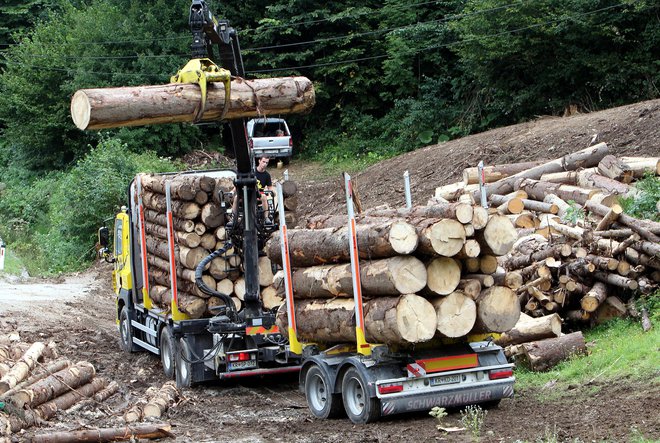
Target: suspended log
{"x": 456, "y": 314}
{"x": 54, "y": 385}
{"x": 136, "y": 432}
{"x": 178, "y": 102}
{"x": 331, "y": 245}
{"x": 542, "y": 355}
{"x": 531, "y": 329}
{"x": 494, "y": 173}
{"x": 388, "y": 320}
{"x": 498, "y": 310}
{"x": 582, "y": 159}
{"x": 159, "y": 403}
{"x": 22, "y": 368}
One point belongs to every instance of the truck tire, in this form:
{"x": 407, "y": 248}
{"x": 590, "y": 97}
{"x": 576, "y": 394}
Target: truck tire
{"x": 359, "y": 407}
{"x": 167, "y": 352}
{"x": 126, "y": 332}
{"x": 318, "y": 392}
{"x": 183, "y": 365}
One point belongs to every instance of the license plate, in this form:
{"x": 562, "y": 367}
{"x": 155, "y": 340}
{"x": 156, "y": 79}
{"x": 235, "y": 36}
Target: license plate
{"x": 242, "y": 365}
{"x": 447, "y": 379}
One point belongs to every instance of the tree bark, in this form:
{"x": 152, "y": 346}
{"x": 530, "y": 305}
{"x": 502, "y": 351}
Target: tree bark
{"x": 22, "y": 368}
{"x": 180, "y": 224}
{"x": 494, "y": 173}
{"x": 498, "y": 310}
{"x": 54, "y": 385}
{"x": 626, "y": 220}
{"x": 388, "y": 320}
{"x": 531, "y": 329}
{"x": 159, "y": 403}
{"x": 544, "y": 354}
{"x": 613, "y": 168}
{"x": 456, "y": 314}
{"x": 443, "y": 274}
{"x": 182, "y": 209}
{"x": 147, "y": 431}
{"x": 331, "y": 245}
{"x": 176, "y": 102}
{"x": 582, "y": 159}
{"x": 537, "y": 190}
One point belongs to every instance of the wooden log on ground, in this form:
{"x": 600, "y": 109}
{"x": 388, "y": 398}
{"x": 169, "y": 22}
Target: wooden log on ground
{"x": 542, "y": 355}
{"x": 331, "y": 245}
{"x": 178, "y": 102}
{"x": 596, "y": 295}
{"x": 456, "y": 314}
{"x": 581, "y": 159}
{"x": 614, "y": 168}
{"x": 135, "y": 432}
{"x": 529, "y": 329}
{"x": 400, "y": 320}
{"x": 642, "y": 165}
{"x": 22, "y": 368}
{"x": 626, "y": 220}
{"x": 54, "y": 385}
{"x": 494, "y": 173}
{"x": 498, "y": 310}
{"x": 611, "y": 308}
{"x": 48, "y": 410}
{"x": 99, "y": 397}
{"x": 37, "y": 375}
{"x": 159, "y": 403}
{"x": 537, "y": 190}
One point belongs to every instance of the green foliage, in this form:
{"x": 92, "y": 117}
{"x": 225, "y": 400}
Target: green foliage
{"x": 644, "y": 204}
{"x": 622, "y": 350}
{"x": 472, "y": 418}
{"x": 574, "y": 213}
{"x": 439, "y": 414}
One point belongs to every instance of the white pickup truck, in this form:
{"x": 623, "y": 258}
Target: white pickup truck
{"x": 270, "y": 136}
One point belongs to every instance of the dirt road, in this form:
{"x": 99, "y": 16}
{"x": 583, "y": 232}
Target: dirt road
{"x": 78, "y": 314}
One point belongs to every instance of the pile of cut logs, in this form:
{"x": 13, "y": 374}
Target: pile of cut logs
{"x": 423, "y": 273}
{"x": 198, "y": 224}
{"x": 36, "y": 386}
{"x": 580, "y": 258}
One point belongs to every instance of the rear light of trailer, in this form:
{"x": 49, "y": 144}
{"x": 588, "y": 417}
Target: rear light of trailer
{"x": 390, "y": 388}
{"x": 240, "y": 356}
{"x": 502, "y": 373}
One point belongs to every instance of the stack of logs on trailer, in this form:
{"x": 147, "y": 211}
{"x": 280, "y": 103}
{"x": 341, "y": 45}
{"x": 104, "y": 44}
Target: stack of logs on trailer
{"x": 199, "y": 229}
{"x": 424, "y": 273}
{"x": 36, "y": 386}
{"x": 580, "y": 257}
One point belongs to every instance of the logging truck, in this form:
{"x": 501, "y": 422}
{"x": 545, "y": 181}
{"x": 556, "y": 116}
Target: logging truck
{"x": 168, "y": 304}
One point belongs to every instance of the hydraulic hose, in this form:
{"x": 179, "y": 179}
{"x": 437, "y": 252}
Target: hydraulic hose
{"x": 204, "y": 288}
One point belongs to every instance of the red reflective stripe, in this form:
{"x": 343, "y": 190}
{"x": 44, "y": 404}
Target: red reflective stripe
{"x": 358, "y": 282}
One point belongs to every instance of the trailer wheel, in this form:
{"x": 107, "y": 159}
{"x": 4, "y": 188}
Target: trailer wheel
{"x": 318, "y": 392}
{"x": 183, "y": 365}
{"x": 125, "y": 332}
{"x": 359, "y": 407}
{"x": 167, "y": 352}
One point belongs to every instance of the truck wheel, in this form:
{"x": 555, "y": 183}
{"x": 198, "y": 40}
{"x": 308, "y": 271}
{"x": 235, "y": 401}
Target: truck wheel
{"x": 125, "y": 332}
{"x": 320, "y": 399}
{"x": 167, "y": 352}
{"x": 359, "y": 407}
{"x": 183, "y": 365}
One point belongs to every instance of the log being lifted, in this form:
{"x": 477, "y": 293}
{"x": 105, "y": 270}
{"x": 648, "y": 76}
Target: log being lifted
{"x": 177, "y": 102}
{"x": 407, "y": 319}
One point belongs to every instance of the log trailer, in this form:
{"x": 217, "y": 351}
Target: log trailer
{"x": 363, "y": 380}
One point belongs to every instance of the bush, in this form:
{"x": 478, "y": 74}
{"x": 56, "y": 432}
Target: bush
{"x": 643, "y": 205}
{"x": 52, "y": 222}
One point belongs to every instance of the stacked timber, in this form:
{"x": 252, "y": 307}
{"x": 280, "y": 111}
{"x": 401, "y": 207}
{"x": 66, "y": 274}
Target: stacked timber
{"x": 38, "y": 385}
{"x": 580, "y": 257}
{"x": 424, "y": 273}
{"x": 198, "y": 220}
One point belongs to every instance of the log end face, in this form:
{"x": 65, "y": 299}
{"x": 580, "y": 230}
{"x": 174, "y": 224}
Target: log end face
{"x": 409, "y": 274}
{"x": 456, "y": 315}
{"x": 403, "y": 237}
{"x": 416, "y": 319}
{"x": 81, "y": 110}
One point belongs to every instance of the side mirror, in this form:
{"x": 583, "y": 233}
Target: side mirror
{"x": 104, "y": 237}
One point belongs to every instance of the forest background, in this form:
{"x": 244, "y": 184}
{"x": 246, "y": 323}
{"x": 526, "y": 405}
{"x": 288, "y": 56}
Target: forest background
{"x": 390, "y": 77}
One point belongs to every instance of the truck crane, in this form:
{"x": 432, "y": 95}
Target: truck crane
{"x": 231, "y": 343}
{"x": 362, "y": 380}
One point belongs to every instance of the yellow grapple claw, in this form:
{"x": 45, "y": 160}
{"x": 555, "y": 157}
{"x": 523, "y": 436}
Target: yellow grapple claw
{"x": 201, "y": 71}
